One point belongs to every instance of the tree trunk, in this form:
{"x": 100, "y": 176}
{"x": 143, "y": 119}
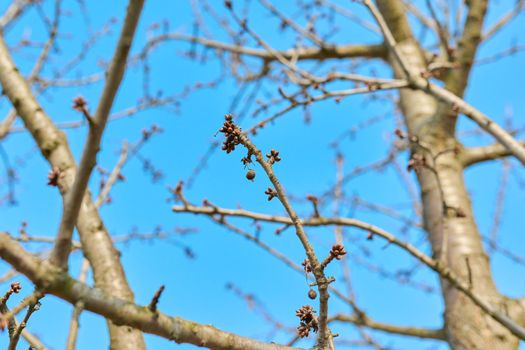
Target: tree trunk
{"x": 449, "y": 220}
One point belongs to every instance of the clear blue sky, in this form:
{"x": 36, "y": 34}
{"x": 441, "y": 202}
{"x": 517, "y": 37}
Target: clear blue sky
{"x": 195, "y": 288}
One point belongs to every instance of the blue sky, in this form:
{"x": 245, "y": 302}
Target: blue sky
{"x": 195, "y": 288}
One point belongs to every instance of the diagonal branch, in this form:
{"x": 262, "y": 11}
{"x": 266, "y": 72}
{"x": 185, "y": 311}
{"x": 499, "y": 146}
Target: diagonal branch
{"x": 122, "y": 312}
{"x": 97, "y": 244}
{"x": 504, "y": 20}
{"x": 15, "y": 10}
{"x": 73, "y": 199}
{"x": 324, "y": 335}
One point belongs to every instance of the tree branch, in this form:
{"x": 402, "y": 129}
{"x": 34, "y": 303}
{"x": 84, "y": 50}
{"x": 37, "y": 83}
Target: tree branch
{"x": 446, "y": 96}
{"x": 324, "y": 335}
{"x": 473, "y": 155}
{"x": 55, "y": 281}
{"x": 362, "y": 320}
{"x": 310, "y": 53}
{"x": 113, "y": 177}
{"x": 15, "y": 10}
{"x": 77, "y": 310}
{"x": 114, "y": 76}
{"x": 438, "y": 266}
{"x": 456, "y": 79}
{"x": 96, "y": 242}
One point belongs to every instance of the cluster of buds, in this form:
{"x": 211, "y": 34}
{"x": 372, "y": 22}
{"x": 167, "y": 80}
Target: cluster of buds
{"x": 79, "y": 104}
{"x": 271, "y": 193}
{"x": 307, "y": 267}
{"x": 273, "y": 156}
{"x": 23, "y": 229}
{"x": 416, "y": 162}
{"x": 231, "y": 132}
{"x": 308, "y": 321}
{"x": 337, "y": 252}
{"x": 54, "y": 176}
{"x": 16, "y": 287}
{"x": 147, "y": 133}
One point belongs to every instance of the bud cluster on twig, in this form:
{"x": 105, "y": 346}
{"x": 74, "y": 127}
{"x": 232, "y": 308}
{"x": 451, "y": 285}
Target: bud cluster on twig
{"x": 308, "y": 321}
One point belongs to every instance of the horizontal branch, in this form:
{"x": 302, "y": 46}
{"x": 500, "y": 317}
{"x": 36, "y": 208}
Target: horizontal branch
{"x": 474, "y": 155}
{"x": 56, "y": 282}
{"x": 438, "y": 334}
{"x": 309, "y": 53}
{"x": 438, "y": 266}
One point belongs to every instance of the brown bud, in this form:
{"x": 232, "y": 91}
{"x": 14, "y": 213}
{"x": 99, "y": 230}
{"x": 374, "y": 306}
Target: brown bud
{"x": 312, "y": 294}
{"x": 250, "y": 175}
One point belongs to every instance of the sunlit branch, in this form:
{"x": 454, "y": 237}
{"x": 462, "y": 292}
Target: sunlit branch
{"x": 114, "y": 76}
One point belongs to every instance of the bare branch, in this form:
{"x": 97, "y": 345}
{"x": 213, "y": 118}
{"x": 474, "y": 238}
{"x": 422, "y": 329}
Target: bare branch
{"x": 79, "y": 306}
{"x": 114, "y": 176}
{"x": 474, "y": 155}
{"x": 16, "y": 335}
{"x": 313, "y": 53}
{"x": 122, "y": 312}
{"x": 504, "y": 20}
{"x": 96, "y": 242}
{"x": 362, "y": 320}
{"x": 324, "y": 336}
{"x": 15, "y": 10}
{"x": 74, "y": 198}
{"x": 437, "y": 266}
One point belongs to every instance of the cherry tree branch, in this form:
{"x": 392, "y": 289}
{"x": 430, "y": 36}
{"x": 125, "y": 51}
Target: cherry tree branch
{"x": 474, "y": 155}
{"x": 362, "y": 320}
{"x": 308, "y": 53}
{"x": 96, "y": 242}
{"x": 438, "y": 266}
{"x": 15, "y": 10}
{"x": 77, "y": 310}
{"x": 121, "y": 312}
{"x": 114, "y": 76}
{"x": 324, "y": 335}
{"x": 113, "y": 177}
{"x": 418, "y": 82}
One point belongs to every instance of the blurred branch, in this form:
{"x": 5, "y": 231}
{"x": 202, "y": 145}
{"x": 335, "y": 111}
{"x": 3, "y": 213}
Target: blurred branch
{"x": 504, "y": 20}
{"x": 15, "y": 10}
{"x": 114, "y": 176}
{"x": 474, "y": 155}
{"x": 363, "y": 320}
{"x": 77, "y": 310}
{"x": 313, "y": 53}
